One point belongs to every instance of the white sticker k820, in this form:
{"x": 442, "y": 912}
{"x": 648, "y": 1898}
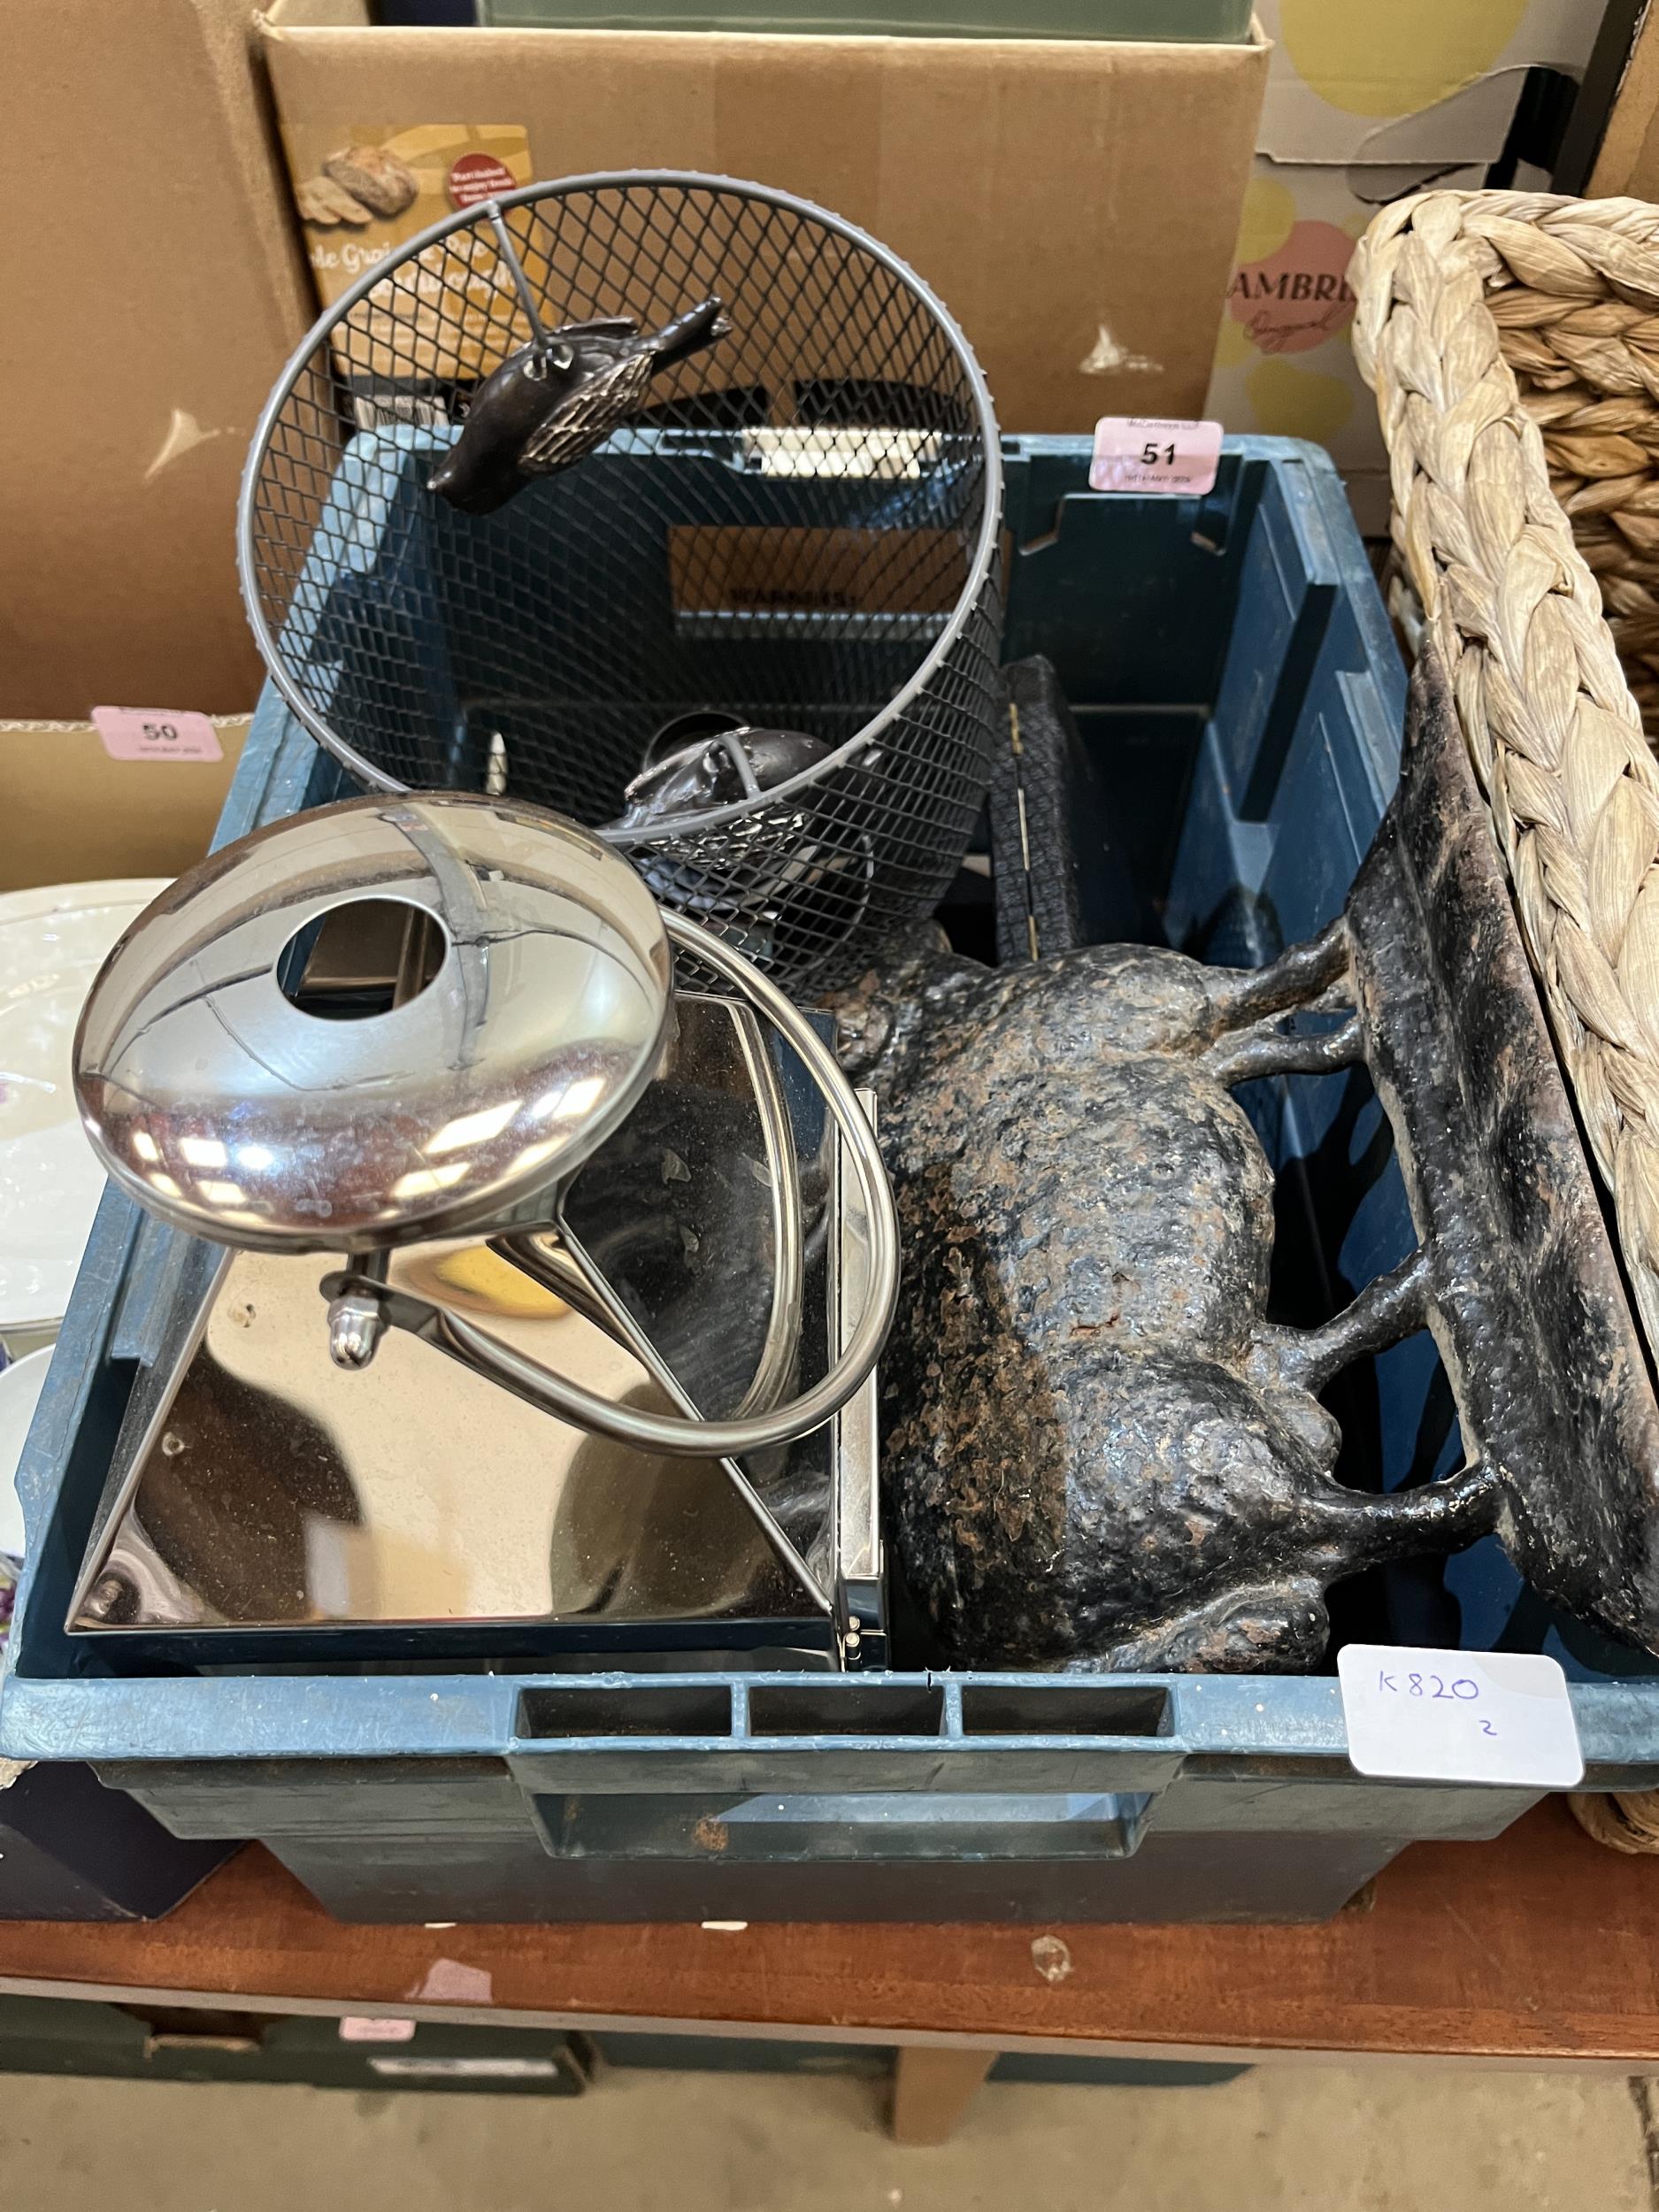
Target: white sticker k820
{"x": 1459, "y": 1716}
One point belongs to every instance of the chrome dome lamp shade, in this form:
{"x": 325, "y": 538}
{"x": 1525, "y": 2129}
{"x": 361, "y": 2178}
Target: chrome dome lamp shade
{"x": 251, "y": 1076}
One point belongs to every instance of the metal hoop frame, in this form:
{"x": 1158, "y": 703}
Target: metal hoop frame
{"x": 659, "y": 1433}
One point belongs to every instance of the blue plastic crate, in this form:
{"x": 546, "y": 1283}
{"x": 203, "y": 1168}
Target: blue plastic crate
{"x": 1234, "y": 675}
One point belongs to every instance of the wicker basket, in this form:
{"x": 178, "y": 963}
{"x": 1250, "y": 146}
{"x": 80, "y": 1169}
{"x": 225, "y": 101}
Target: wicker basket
{"x": 1627, "y": 1823}
{"x": 1513, "y": 343}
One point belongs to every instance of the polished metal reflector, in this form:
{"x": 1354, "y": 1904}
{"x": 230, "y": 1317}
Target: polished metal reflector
{"x": 374, "y": 1022}
{"x": 437, "y": 1038}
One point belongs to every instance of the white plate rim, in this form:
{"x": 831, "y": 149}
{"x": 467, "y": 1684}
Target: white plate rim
{"x": 35, "y": 902}
{"x": 38, "y": 902}
{"x": 8, "y": 1475}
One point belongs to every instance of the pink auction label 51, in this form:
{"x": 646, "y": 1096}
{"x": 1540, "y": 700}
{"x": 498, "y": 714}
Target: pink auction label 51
{"x": 1148, "y": 453}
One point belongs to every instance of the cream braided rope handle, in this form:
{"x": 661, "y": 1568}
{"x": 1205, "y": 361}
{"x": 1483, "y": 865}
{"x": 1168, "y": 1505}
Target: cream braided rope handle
{"x": 1516, "y": 615}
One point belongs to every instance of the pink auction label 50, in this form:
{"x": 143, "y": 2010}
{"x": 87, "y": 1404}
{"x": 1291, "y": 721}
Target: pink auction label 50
{"x": 156, "y": 733}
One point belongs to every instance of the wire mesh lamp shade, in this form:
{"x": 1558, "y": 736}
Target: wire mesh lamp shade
{"x": 790, "y": 533}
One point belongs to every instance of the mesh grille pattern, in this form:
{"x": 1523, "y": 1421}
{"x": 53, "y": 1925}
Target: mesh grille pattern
{"x": 785, "y": 531}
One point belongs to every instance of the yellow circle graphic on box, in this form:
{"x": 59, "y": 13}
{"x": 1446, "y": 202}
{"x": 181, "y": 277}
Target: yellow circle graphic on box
{"x": 1291, "y": 403}
{"x": 1233, "y": 344}
{"x": 1394, "y": 57}
{"x": 1269, "y": 218}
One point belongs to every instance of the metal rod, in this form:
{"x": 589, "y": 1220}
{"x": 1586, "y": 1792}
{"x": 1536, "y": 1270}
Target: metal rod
{"x": 553, "y": 1270}
{"x": 541, "y": 336}
{"x": 623, "y": 1325}
{"x": 740, "y": 759}
{"x": 781, "y": 1349}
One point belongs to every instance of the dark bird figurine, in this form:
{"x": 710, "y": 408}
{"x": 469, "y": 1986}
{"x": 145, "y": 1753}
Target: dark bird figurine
{"x": 558, "y": 397}
{"x": 719, "y": 769}
{"x": 786, "y": 881}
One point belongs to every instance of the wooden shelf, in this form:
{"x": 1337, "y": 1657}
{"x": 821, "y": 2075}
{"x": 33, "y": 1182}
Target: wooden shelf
{"x": 1538, "y": 1949}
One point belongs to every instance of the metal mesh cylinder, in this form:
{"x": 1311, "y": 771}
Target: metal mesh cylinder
{"x": 797, "y": 529}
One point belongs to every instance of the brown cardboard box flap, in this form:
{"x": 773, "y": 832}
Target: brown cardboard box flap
{"x": 155, "y": 285}
{"x": 73, "y": 814}
{"x": 1627, "y": 162}
{"x": 1073, "y": 204}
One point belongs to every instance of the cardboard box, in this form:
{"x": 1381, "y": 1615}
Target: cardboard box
{"x": 1627, "y": 160}
{"x": 1075, "y": 204}
{"x": 73, "y": 815}
{"x": 155, "y": 284}
{"x": 1419, "y": 83}
{"x": 1366, "y": 101}
{"x": 1285, "y": 361}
